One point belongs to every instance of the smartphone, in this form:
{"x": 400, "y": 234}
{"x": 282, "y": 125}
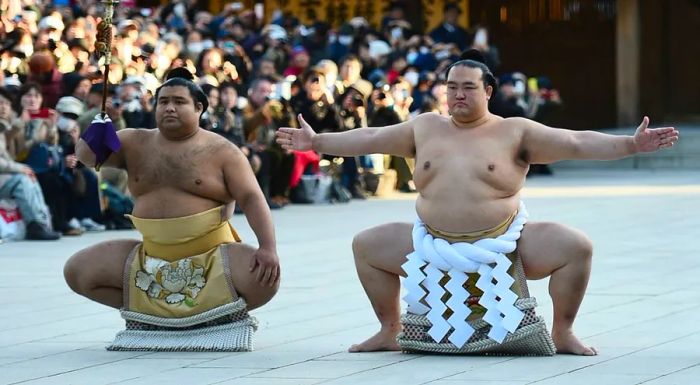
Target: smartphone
{"x": 43, "y": 113}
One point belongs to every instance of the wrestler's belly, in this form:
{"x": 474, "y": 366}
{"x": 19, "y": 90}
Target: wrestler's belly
{"x": 172, "y": 203}
{"x": 465, "y": 216}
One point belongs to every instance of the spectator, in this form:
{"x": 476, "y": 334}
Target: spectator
{"x": 480, "y": 42}
{"x": 353, "y": 115}
{"x": 20, "y": 138}
{"x": 84, "y": 181}
{"x": 263, "y": 116}
{"x": 52, "y": 170}
{"x": 42, "y": 70}
{"x": 449, "y": 31}
{"x": 350, "y": 70}
{"x": 506, "y": 101}
{"x": 137, "y": 110}
{"x": 18, "y": 182}
{"x": 299, "y": 62}
{"x": 77, "y": 85}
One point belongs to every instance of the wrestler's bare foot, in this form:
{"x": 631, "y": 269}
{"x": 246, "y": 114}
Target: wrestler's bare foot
{"x": 567, "y": 343}
{"x": 382, "y": 341}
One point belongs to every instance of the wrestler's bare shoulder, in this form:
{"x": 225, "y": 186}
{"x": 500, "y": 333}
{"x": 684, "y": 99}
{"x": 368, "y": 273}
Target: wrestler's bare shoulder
{"x": 128, "y": 136}
{"x": 218, "y": 145}
{"x": 429, "y": 118}
{"x": 515, "y": 123}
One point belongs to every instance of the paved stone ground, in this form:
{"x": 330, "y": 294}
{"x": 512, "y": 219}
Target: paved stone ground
{"x": 642, "y": 309}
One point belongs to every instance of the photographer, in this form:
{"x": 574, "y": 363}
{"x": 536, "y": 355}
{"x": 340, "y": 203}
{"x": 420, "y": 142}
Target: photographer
{"x": 20, "y": 138}
{"x": 86, "y": 205}
{"x": 136, "y": 105}
{"x": 265, "y": 113}
{"x": 388, "y": 112}
{"x": 353, "y": 114}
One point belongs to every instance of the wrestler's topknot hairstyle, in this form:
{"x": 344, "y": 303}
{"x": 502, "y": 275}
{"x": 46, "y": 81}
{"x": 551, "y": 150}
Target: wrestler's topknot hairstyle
{"x": 473, "y": 58}
{"x": 181, "y": 76}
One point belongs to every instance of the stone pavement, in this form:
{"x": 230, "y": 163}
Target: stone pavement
{"x": 642, "y": 310}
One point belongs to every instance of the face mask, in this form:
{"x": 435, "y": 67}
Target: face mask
{"x": 228, "y": 46}
{"x": 206, "y": 44}
{"x": 179, "y": 10}
{"x": 345, "y": 39}
{"x": 195, "y": 47}
{"x": 411, "y": 57}
{"x": 411, "y": 77}
{"x": 424, "y": 50}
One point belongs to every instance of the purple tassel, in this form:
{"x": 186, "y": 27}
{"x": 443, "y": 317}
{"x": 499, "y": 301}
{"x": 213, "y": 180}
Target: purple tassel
{"x": 101, "y": 138}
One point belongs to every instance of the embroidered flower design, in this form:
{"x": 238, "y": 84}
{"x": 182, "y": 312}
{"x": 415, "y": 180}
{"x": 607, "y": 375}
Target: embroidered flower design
{"x": 174, "y": 282}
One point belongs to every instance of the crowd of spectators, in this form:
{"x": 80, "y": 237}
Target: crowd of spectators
{"x": 257, "y": 76}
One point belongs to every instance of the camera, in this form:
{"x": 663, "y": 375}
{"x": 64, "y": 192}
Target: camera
{"x": 357, "y": 100}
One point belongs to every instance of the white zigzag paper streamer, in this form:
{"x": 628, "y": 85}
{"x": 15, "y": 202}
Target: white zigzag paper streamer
{"x": 432, "y": 257}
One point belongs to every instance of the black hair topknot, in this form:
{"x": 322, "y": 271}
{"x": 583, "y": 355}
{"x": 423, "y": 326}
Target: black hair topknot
{"x": 473, "y": 58}
{"x": 473, "y": 54}
{"x": 180, "y": 72}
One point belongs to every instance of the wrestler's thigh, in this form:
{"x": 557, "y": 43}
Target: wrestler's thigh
{"x": 244, "y": 281}
{"x": 100, "y": 265}
{"x": 385, "y": 246}
{"x": 546, "y": 246}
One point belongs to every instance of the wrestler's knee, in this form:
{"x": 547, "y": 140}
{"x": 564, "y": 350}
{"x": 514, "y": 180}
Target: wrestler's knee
{"x": 359, "y": 242}
{"x": 367, "y": 241}
{"x": 245, "y": 282}
{"x": 73, "y": 272}
{"x": 581, "y": 246}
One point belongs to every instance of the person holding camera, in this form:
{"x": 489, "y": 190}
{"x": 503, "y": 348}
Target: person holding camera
{"x": 20, "y": 139}
{"x": 353, "y": 114}
{"x": 93, "y": 103}
{"x": 136, "y": 105}
{"x": 264, "y": 114}
{"x": 391, "y": 107}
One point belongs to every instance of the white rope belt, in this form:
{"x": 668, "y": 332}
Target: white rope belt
{"x": 434, "y": 256}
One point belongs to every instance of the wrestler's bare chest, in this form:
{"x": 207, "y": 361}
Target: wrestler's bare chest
{"x": 193, "y": 168}
{"x": 467, "y": 161}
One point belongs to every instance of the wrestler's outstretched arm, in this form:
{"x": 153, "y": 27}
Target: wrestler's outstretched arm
{"x": 116, "y": 159}
{"x": 541, "y": 144}
{"x": 397, "y": 139}
{"x": 242, "y": 185}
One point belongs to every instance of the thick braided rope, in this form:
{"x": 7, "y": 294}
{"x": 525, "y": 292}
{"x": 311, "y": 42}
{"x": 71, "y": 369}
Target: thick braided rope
{"x": 432, "y": 257}
{"x": 109, "y": 13}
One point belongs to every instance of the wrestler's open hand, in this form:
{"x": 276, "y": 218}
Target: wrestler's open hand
{"x": 267, "y": 264}
{"x": 652, "y": 139}
{"x": 296, "y": 138}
